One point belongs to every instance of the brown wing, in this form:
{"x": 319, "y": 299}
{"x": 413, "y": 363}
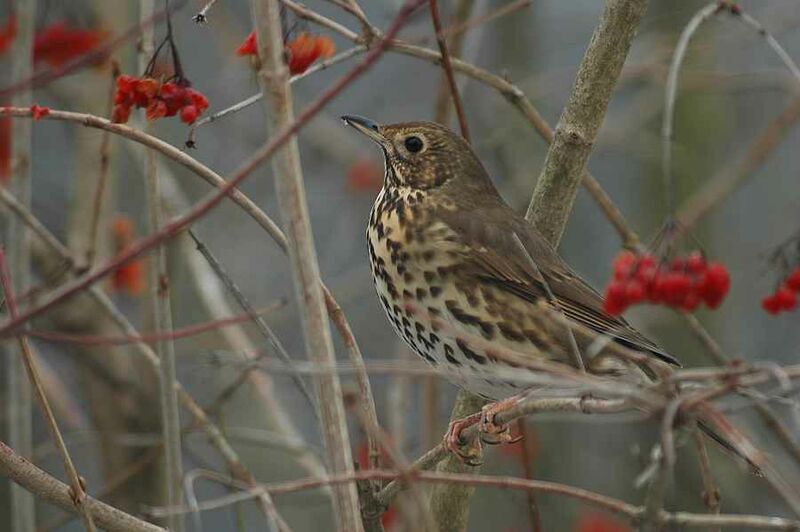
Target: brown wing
{"x": 494, "y": 254}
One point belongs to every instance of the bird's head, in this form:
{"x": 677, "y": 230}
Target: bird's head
{"x": 423, "y": 155}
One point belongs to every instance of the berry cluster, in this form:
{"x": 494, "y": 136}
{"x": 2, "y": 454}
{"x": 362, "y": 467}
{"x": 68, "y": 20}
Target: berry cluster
{"x": 784, "y": 299}
{"x": 683, "y": 282}
{"x": 301, "y": 52}
{"x": 158, "y": 99}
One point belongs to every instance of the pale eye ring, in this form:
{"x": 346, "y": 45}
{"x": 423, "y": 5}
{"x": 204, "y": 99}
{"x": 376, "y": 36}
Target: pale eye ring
{"x": 413, "y": 143}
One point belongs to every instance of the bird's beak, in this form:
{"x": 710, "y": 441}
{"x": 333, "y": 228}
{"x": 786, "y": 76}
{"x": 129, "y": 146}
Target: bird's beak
{"x": 365, "y": 126}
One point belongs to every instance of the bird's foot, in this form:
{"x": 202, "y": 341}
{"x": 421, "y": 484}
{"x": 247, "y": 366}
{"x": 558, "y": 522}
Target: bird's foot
{"x": 469, "y": 452}
{"x": 490, "y": 431}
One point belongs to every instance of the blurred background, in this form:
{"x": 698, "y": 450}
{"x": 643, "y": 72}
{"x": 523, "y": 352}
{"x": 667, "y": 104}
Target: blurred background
{"x": 732, "y": 87}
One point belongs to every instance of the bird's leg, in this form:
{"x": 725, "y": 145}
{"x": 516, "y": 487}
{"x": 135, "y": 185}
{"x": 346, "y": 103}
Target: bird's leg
{"x": 491, "y": 432}
{"x": 469, "y": 454}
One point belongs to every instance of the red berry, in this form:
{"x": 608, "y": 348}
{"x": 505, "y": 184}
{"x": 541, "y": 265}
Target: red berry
{"x": 771, "y": 305}
{"x": 623, "y": 265}
{"x": 793, "y": 281}
{"x": 690, "y": 302}
{"x": 615, "y": 302}
{"x": 695, "y": 263}
{"x": 715, "y": 284}
{"x": 198, "y": 99}
{"x": 677, "y": 264}
{"x": 156, "y": 109}
{"x": 189, "y": 114}
{"x": 676, "y": 286}
{"x": 121, "y": 114}
{"x": 647, "y": 261}
{"x": 634, "y": 292}
{"x": 786, "y": 298}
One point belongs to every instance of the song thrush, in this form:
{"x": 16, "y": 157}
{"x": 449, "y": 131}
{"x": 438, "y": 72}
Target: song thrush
{"x": 459, "y": 272}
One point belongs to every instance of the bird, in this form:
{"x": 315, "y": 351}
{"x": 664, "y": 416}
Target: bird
{"x": 462, "y": 276}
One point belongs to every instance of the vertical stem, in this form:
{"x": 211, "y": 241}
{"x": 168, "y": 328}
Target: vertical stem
{"x": 450, "y": 502}
{"x": 274, "y": 79}
{"x": 158, "y": 291}
{"x": 582, "y": 117}
{"x": 16, "y": 237}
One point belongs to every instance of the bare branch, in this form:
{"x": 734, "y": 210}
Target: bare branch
{"x": 582, "y": 117}
{"x": 59, "y": 494}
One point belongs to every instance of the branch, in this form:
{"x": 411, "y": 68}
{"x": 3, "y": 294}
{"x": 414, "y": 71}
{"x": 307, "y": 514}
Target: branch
{"x": 59, "y": 494}
{"x": 581, "y": 119}
{"x": 450, "y": 502}
{"x": 274, "y": 79}
{"x": 18, "y": 408}
{"x": 77, "y": 490}
{"x": 158, "y": 292}
{"x": 447, "y": 66}
{"x": 200, "y": 418}
{"x": 616, "y": 506}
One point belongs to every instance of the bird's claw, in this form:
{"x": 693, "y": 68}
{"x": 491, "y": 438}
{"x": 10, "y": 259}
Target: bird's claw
{"x": 469, "y": 453}
{"x": 491, "y": 432}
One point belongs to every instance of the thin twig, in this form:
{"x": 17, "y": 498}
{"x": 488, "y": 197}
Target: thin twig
{"x": 247, "y": 102}
{"x": 275, "y": 142}
{"x": 18, "y": 408}
{"x": 618, "y": 507}
{"x": 77, "y": 489}
{"x": 265, "y": 330}
{"x": 200, "y": 418}
{"x": 670, "y": 90}
{"x": 441, "y": 40}
{"x": 459, "y": 27}
{"x": 202, "y": 16}
{"x": 158, "y": 291}
{"x": 124, "y": 339}
{"x": 527, "y": 456}
{"x": 53, "y": 491}
{"x": 102, "y": 176}
{"x": 711, "y": 496}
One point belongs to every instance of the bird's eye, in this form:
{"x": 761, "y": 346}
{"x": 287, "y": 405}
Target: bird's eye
{"x": 413, "y": 143}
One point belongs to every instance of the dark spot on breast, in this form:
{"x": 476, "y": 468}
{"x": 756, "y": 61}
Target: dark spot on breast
{"x": 421, "y": 293}
{"x": 535, "y": 338}
{"x": 469, "y": 353}
{"x": 448, "y": 354}
{"x": 435, "y": 291}
{"x": 509, "y": 333}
